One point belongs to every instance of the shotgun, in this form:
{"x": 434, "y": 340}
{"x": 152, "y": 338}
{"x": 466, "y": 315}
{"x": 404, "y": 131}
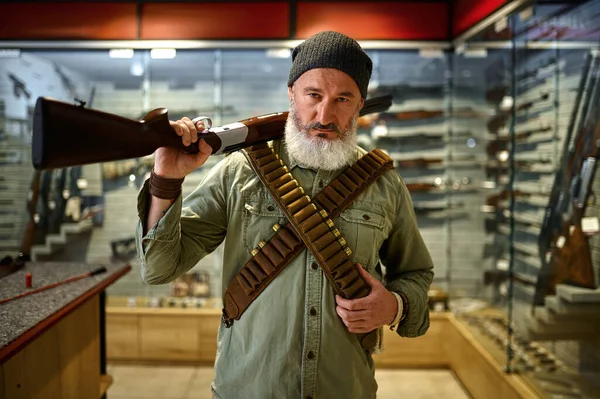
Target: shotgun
{"x": 496, "y": 122}
{"x": 494, "y": 199}
{"x": 422, "y": 187}
{"x": 562, "y": 245}
{"x": 19, "y": 87}
{"x": 495, "y": 94}
{"x": 415, "y": 115}
{"x": 571, "y": 261}
{"x": 502, "y": 143}
{"x": 421, "y": 163}
{"x": 69, "y": 134}
{"x": 551, "y": 225}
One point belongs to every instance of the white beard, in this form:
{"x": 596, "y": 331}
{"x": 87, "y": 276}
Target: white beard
{"x": 316, "y": 152}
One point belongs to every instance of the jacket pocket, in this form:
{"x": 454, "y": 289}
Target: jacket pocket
{"x": 260, "y": 215}
{"x": 363, "y": 230}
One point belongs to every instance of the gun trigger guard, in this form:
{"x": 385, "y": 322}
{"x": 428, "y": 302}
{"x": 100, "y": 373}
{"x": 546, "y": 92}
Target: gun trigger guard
{"x": 206, "y": 119}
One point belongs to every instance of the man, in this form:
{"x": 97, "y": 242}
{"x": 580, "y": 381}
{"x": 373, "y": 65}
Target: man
{"x": 298, "y": 338}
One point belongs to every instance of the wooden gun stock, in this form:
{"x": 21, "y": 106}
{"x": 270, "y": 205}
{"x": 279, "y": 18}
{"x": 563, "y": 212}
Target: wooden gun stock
{"x": 571, "y": 263}
{"x": 496, "y": 122}
{"x": 574, "y": 262}
{"x": 502, "y": 143}
{"x": 496, "y": 94}
{"x": 494, "y": 199}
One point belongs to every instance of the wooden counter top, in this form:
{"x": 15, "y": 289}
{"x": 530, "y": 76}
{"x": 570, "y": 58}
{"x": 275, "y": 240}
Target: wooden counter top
{"x": 26, "y": 318}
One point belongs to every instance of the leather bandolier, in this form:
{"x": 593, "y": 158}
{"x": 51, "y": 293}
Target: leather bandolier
{"x": 310, "y": 226}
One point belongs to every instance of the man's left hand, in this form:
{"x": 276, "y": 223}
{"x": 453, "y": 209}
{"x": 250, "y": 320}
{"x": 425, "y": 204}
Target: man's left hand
{"x": 366, "y": 314}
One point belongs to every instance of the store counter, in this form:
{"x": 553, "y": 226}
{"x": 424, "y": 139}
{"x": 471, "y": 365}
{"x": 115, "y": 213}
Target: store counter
{"x": 175, "y": 335}
{"x": 52, "y": 343}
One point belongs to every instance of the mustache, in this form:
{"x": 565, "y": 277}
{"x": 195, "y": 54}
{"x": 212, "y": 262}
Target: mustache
{"x": 329, "y": 126}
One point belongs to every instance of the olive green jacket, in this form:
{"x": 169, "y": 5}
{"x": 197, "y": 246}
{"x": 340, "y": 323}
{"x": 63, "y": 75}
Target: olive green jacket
{"x": 290, "y": 342}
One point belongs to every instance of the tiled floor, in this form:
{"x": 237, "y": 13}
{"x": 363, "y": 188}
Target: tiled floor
{"x": 175, "y": 382}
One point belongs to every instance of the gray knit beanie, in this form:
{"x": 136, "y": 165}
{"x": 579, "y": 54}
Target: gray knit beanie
{"x": 332, "y": 50}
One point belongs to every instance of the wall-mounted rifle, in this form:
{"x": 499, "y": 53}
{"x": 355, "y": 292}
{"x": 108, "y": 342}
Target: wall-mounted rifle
{"x": 563, "y": 248}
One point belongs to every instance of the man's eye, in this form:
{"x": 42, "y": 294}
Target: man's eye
{"x": 313, "y": 95}
{"x": 343, "y": 100}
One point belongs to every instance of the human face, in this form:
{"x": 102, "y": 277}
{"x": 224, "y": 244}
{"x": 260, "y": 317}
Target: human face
{"x": 326, "y": 101}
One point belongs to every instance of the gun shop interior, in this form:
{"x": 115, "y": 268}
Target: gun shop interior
{"x": 493, "y": 126}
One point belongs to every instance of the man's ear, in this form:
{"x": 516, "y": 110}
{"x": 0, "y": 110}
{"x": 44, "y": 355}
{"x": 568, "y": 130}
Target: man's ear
{"x": 362, "y": 103}
{"x": 290, "y": 93}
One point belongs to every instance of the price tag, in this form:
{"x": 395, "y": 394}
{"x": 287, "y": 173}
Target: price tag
{"x": 590, "y": 225}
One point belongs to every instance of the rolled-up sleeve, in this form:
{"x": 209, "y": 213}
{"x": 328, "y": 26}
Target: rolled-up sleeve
{"x": 190, "y": 229}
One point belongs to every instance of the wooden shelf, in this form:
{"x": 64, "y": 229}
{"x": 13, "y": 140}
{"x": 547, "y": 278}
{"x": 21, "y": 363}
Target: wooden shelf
{"x": 105, "y": 382}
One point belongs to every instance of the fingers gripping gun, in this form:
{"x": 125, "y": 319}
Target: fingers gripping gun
{"x": 66, "y": 134}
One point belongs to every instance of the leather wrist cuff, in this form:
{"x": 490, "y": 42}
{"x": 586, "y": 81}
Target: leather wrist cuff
{"x": 162, "y": 187}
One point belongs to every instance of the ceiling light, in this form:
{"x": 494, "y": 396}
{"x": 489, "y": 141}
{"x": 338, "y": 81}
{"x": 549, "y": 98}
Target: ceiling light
{"x": 120, "y": 53}
{"x": 431, "y": 53}
{"x": 279, "y": 53}
{"x": 476, "y": 53}
{"x": 163, "y": 53}
{"x": 9, "y": 53}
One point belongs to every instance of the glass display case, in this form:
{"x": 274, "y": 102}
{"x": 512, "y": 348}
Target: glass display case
{"x": 541, "y": 87}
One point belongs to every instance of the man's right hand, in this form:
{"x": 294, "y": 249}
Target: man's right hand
{"x": 174, "y": 164}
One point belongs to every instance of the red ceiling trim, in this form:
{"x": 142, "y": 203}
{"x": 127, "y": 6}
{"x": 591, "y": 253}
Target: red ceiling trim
{"x": 467, "y": 13}
{"x": 68, "y": 21}
{"x": 376, "y": 20}
{"x": 188, "y": 21}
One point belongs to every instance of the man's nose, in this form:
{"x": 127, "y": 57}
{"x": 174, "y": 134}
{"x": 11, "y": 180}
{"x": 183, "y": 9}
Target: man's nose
{"x": 325, "y": 113}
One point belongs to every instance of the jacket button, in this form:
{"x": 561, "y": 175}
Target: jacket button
{"x": 314, "y": 266}
{"x": 310, "y": 355}
{"x": 366, "y": 217}
{"x": 313, "y": 311}
{"x": 270, "y": 208}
